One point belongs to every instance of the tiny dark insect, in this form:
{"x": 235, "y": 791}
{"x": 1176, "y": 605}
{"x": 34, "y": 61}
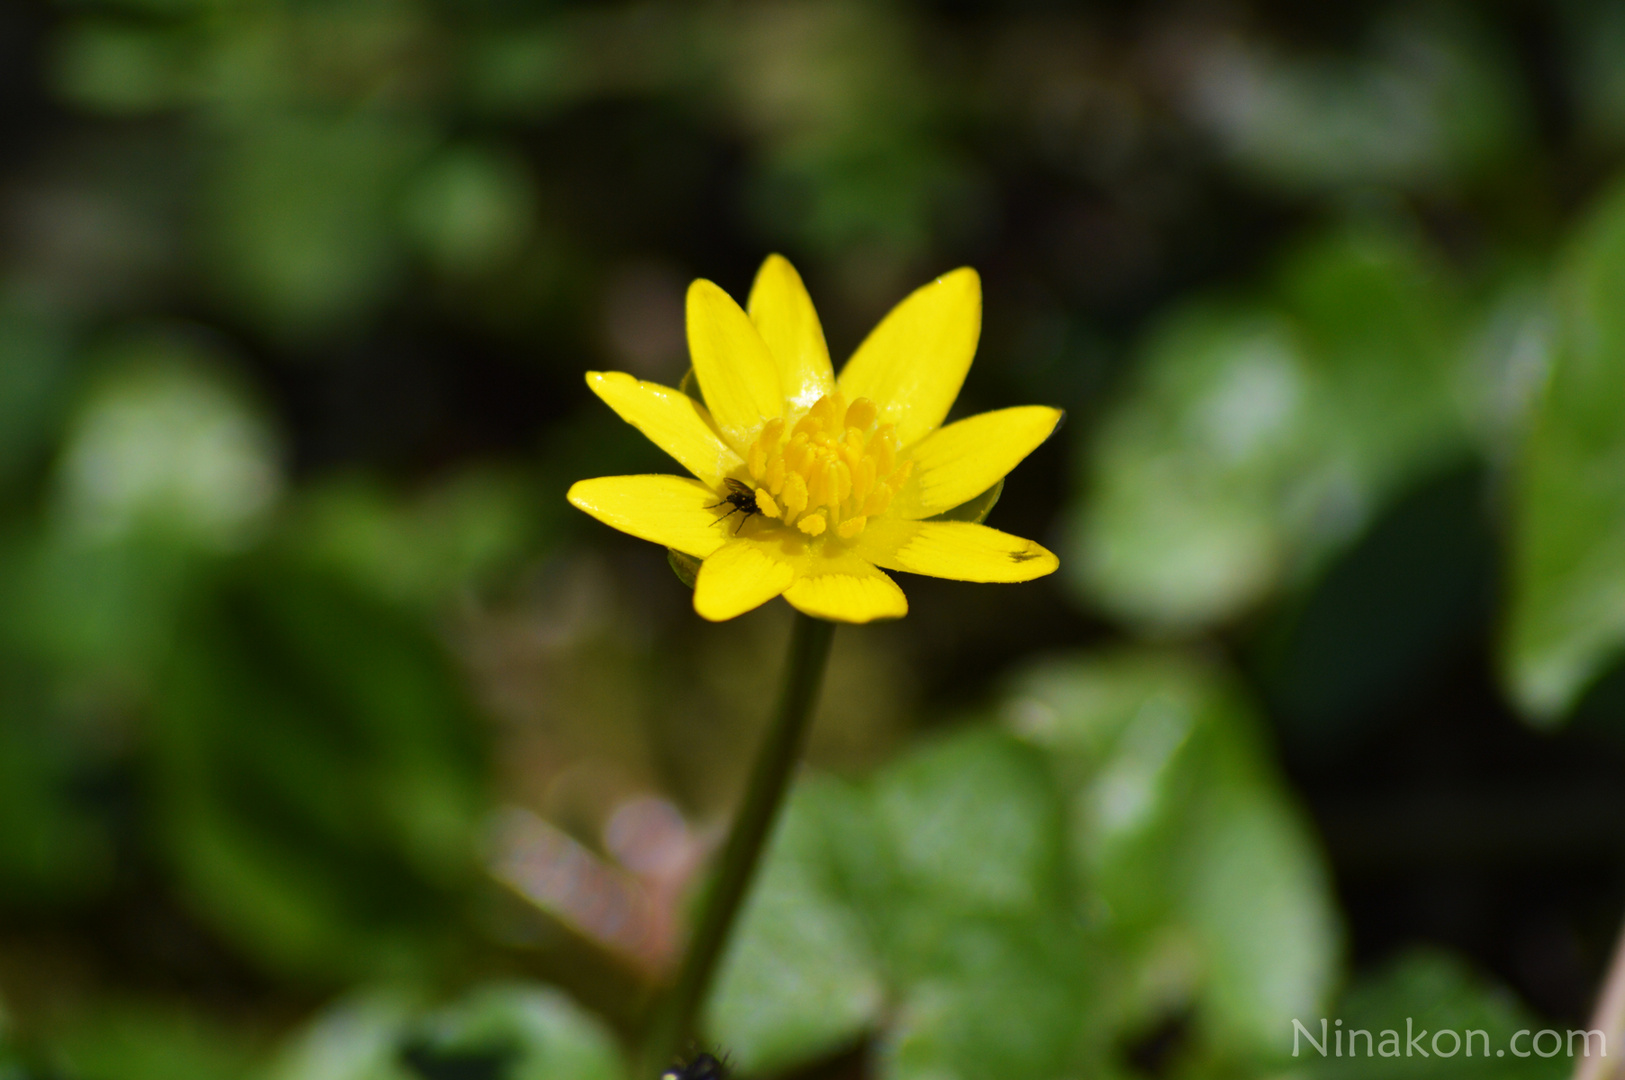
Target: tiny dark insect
{"x": 702, "y": 1067}
{"x": 741, "y": 499}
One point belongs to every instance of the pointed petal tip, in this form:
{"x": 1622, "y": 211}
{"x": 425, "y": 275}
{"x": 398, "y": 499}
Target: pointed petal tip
{"x": 1057, "y": 425}
{"x": 705, "y": 289}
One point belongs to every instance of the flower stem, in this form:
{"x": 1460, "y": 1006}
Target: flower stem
{"x": 675, "y": 1016}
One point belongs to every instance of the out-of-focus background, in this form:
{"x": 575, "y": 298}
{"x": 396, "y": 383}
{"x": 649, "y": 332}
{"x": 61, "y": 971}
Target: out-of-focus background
{"x": 335, "y": 746}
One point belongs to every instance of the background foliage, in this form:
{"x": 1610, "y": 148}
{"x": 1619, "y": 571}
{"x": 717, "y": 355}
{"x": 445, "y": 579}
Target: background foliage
{"x": 333, "y": 746}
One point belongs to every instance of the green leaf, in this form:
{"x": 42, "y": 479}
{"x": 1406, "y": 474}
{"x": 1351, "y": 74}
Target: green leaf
{"x": 1259, "y": 901}
{"x": 934, "y": 895}
{"x": 1004, "y": 996}
{"x": 301, "y": 221}
{"x": 33, "y": 380}
{"x": 52, "y": 846}
{"x": 471, "y": 209}
{"x": 513, "y": 1030}
{"x": 423, "y": 548}
{"x": 318, "y": 777}
{"x": 1566, "y": 617}
{"x": 1434, "y": 991}
{"x": 800, "y": 978}
{"x": 1428, "y": 101}
{"x": 150, "y": 1041}
{"x": 535, "y": 1031}
{"x": 359, "y": 1038}
{"x": 994, "y": 973}
{"x": 167, "y": 445}
{"x": 1263, "y": 435}
{"x": 1182, "y": 835}
{"x": 974, "y": 826}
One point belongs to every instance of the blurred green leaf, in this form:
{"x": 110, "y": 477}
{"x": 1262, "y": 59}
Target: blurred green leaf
{"x": 837, "y": 172}
{"x": 525, "y": 70}
{"x": 500, "y": 1031}
{"x": 1566, "y": 616}
{"x": 52, "y": 846}
{"x": 1259, "y": 901}
{"x": 33, "y": 384}
{"x": 319, "y": 781}
{"x": 454, "y": 534}
{"x": 164, "y": 444}
{"x": 1429, "y": 102}
{"x": 100, "y": 613}
{"x": 974, "y": 824}
{"x": 801, "y": 978}
{"x": 1003, "y": 996}
{"x": 471, "y": 208}
{"x": 359, "y": 1038}
{"x": 940, "y": 887}
{"x": 117, "y": 68}
{"x": 301, "y": 226}
{"x": 943, "y": 887}
{"x": 1184, "y": 834}
{"x": 994, "y": 974}
{"x": 151, "y": 1041}
{"x": 1261, "y": 437}
{"x": 1435, "y": 991}
{"x": 537, "y": 1033}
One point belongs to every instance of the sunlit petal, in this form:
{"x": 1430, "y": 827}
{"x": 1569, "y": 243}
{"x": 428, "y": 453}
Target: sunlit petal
{"x": 913, "y": 364}
{"x": 740, "y": 576}
{"x": 671, "y": 419}
{"x": 736, "y": 372}
{"x": 669, "y": 510}
{"x": 954, "y": 464}
{"x": 953, "y": 549}
{"x": 784, "y": 315}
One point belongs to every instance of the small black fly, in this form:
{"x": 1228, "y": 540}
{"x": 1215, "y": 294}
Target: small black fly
{"x": 702, "y": 1067}
{"x": 741, "y": 500}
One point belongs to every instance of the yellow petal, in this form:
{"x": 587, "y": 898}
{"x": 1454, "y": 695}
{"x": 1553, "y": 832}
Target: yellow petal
{"x": 735, "y": 369}
{"x": 741, "y": 575}
{"x": 671, "y": 419}
{"x": 953, "y": 549}
{"x": 914, "y": 362}
{"x": 954, "y": 464}
{"x": 669, "y": 510}
{"x": 846, "y": 590}
{"x": 783, "y": 313}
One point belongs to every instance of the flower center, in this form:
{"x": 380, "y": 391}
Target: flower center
{"x": 832, "y": 472}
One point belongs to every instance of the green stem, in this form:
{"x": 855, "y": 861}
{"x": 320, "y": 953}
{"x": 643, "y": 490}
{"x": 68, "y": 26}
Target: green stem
{"x": 673, "y": 1024}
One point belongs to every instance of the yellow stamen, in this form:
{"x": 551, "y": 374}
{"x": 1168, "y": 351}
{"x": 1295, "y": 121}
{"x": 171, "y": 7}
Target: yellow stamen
{"x": 795, "y": 494}
{"x": 833, "y": 471}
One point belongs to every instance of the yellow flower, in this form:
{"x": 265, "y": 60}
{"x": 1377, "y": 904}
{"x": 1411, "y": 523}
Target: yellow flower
{"x": 806, "y": 484}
